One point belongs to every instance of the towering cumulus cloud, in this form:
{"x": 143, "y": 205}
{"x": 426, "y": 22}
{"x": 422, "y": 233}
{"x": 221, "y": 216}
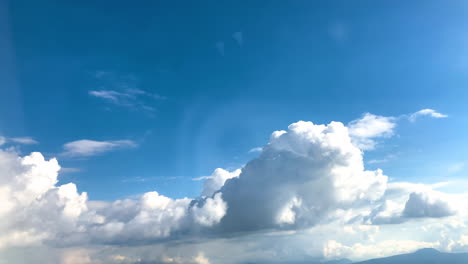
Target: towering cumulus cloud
{"x": 302, "y": 175}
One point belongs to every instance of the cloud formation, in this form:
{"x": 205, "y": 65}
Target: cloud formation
{"x": 426, "y": 112}
{"x": 18, "y": 140}
{"x": 365, "y": 130}
{"x": 123, "y": 91}
{"x": 308, "y": 185}
{"x": 87, "y": 148}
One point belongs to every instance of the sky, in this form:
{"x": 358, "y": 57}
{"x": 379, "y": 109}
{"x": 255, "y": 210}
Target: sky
{"x": 151, "y": 125}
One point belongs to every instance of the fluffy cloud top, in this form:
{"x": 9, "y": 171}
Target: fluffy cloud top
{"x": 365, "y": 130}
{"x": 301, "y": 176}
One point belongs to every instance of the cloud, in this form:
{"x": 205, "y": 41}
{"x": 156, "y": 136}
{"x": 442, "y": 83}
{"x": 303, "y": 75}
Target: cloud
{"x": 257, "y": 149}
{"x": 300, "y": 178}
{"x": 425, "y": 112}
{"x": 307, "y": 186}
{"x": 86, "y": 147}
{"x": 24, "y": 140}
{"x": 333, "y": 249}
{"x": 123, "y": 91}
{"x": 238, "y": 37}
{"x": 428, "y": 204}
{"x": 214, "y": 182}
{"x": 365, "y": 130}
{"x": 18, "y": 140}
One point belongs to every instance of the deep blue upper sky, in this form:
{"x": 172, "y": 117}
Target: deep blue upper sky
{"x": 229, "y": 73}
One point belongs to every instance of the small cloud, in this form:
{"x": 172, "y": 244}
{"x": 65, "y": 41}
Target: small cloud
{"x": 220, "y": 47}
{"x": 426, "y": 112}
{"x": 238, "y": 37}
{"x": 457, "y": 167}
{"x": 365, "y": 130}
{"x": 257, "y": 149}
{"x": 24, "y": 140}
{"x": 123, "y": 91}
{"x": 87, "y": 148}
{"x": 201, "y": 178}
{"x": 385, "y": 159}
{"x": 18, "y": 140}
{"x": 69, "y": 170}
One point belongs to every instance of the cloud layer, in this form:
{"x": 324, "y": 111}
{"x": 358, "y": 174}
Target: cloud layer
{"x": 308, "y": 185}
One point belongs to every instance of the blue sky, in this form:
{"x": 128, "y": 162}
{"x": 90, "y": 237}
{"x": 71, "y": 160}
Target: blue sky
{"x": 225, "y": 76}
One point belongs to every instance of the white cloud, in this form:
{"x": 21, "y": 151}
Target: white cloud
{"x": 428, "y": 204}
{"x": 214, "y": 182}
{"x": 426, "y": 112}
{"x": 358, "y": 251}
{"x": 86, "y": 147}
{"x": 123, "y": 91}
{"x": 365, "y": 130}
{"x": 24, "y": 140}
{"x": 317, "y": 165}
{"x": 18, "y": 140}
{"x": 254, "y": 150}
{"x": 307, "y": 194}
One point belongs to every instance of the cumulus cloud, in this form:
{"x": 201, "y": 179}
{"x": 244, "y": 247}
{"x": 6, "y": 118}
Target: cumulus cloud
{"x": 426, "y": 112}
{"x": 214, "y": 182}
{"x": 86, "y": 147}
{"x": 36, "y": 210}
{"x": 302, "y": 175}
{"x": 365, "y": 130}
{"x": 428, "y": 204}
{"x": 309, "y": 178}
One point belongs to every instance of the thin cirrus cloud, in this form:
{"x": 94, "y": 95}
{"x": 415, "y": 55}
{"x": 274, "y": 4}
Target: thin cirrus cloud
{"x": 132, "y": 98}
{"x": 124, "y": 91}
{"x": 87, "y": 148}
{"x": 18, "y": 140}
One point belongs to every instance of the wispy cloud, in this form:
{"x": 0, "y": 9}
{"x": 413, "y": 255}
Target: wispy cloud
{"x": 238, "y": 37}
{"x": 254, "y": 150}
{"x": 87, "y": 148}
{"x": 123, "y": 91}
{"x": 383, "y": 160}
{"x": 425, "y": 112}
{"x": 69, "y": 170}
{"x": 456, "y": 167}
{"x": 18, "y": 140}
